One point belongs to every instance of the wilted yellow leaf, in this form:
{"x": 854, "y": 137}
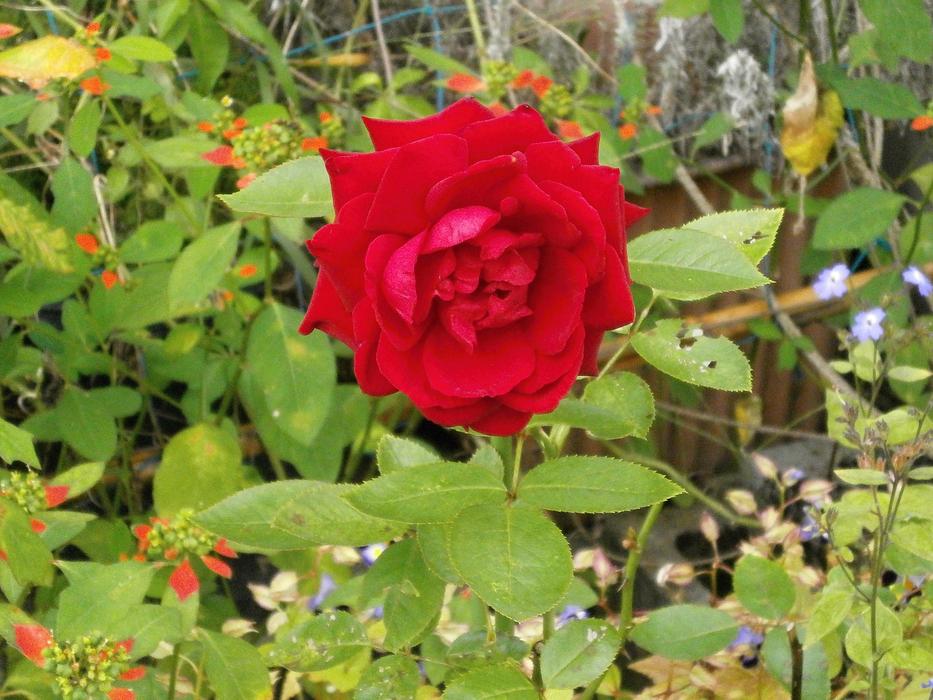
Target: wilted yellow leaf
{"x": 338, "y": 60}
{"x": 38, "y": 61}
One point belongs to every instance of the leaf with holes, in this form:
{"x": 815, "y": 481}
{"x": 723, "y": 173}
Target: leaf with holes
{"x": 752, "y": 231}
{"x": 578, "y": 653}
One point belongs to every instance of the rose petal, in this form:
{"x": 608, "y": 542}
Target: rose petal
{"x": 552, "y": 160}
{"x": 591, "y": 343}
{"x": 590, "y": 248}
{"x": 368, "y": 374}
{"x": 502, "y": 421}
{"x": 353, "y": 174}
{"x": 502, "y": 358}
{"x": 587, "y": 148}
{"x": 32, "y": 640}
{"x": 556, "y": 298}
{"x": 327, "y": 312}
{"x": 184, "y": 581}
{"x": 399, "y": 205}
{"x": 507, "y": 134}
{"x": 405, "y": 369}
{"x": 463, "y": 415}
{"x": 550, "y": 368}
{"x": 339, "y": 247}
{"x": 600, "y": 185}
{"x": 386, "y": 133}
{"x": 609, "y": 302}
{"x": 473, "y": 185}
{"x": 458, "y": 226}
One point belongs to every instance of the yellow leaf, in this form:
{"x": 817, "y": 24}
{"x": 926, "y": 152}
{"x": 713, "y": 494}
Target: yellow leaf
{"x": 338, "y": 60}
{"x": 38, "y": 61}
{"x": 811, "y": 123}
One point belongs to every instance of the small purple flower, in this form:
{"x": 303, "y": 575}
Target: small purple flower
{"x": 792, "y": 476}
{"x": 927, "y": 684}
{"x": 377, "y": 613}
{"x": 867, "y": 324}
{"x": 913, "y": 275}
{"x": 746, "y": 637}
{"x": 809, "y": 529}
{"x": 831, "y": 282}
{"x": 370, "y": 553}
{"x": 325, "y": 588}
{"x": 570, "y": 612}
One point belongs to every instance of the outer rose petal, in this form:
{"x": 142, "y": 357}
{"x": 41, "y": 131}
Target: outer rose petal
{"x": 340, "y": 246}
{"x": 609, "y": 302}
{"x": 55, "y": 496}
{"x": 353, "y": 174}
{"x": 184, "y": 581}
{"x": 556, "y": 298}
{"x": 328, "y": 313}
{"x": 587, "y": 148}
{"x": 386, "y": 133}
{"x": 502, "y": 421}
{"x": 368, "y": 374}
{"x": 405, "y": 369}
{"x": 513, "y": 132}
{"x": 32, "y": 640}
{"x": 463, "y": 415}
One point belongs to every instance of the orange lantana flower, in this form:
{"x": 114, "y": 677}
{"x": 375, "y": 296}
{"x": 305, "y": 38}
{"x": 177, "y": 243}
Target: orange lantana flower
{"x": 94, "y": 85}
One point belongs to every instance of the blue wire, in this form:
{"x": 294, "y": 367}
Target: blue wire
{"x": 53, "y": 23}
{"x": 436, "y": 41}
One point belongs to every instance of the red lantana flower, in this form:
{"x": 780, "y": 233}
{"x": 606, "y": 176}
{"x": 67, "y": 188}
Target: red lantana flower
{"x": 171, "y": 541}
{"x": 628, "y": 131}
{"x": 27, "y": 491}
{"x": 92, "y": 29}
{"x": 87, "y": 242}
{"x": 464, "y": 82}
{"x": 569, "y": 130}
{"x": 94, "y": 85}
{"x": 109, "y": 278}
{"x": 523, "y": 79}
{"x": 223, "y": 156}
{"x": 246, "y": 271}
{"x": 102, "y": 53}
{"x": 206, "y": 127}
{"x": 540, "y": 85}
{"x": 922, "y": 123}
{"x": 313, "y": 143}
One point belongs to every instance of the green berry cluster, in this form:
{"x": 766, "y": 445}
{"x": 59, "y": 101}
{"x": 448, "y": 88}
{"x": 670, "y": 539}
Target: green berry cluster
{"x": 557, "y": 102}
{"x": 264, "y": 147}
{"x": 86, "y": 669}
{"x": 498, "y": 75}
{"x": 25, "y": 489}
{"x": 178, "y": 537}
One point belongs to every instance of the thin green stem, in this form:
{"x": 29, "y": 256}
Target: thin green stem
{"x": 517, "y": 464}
{"x": 477, "y": 29}
{"x": 632, "y": 331}
{"x": 626, "y": 612}
{"x": 759, "y": 5}
{"x": 917, "y": 224}
{"x": 173, "y": 677}
{"x": 359, "y": 446}
{"x": 684, "y": 482}
{"x": 267, "y": 258}
{"x": 548, "y": 624}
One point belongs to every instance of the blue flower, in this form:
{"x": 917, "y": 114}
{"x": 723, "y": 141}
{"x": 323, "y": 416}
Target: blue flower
{"x": 570, "y": 612}
{"x": 792, "y": 476}
{"x": 831, "y": 282}
{"x": 325, "y": 588}
{"x": 809, "y": 528}
{"x": 867, "y": 324}
{"x": 746, "y": 637}
{"x": 370, "y": 553}
{"x": 927, "y": 684}
{"x": 913, "y": 275}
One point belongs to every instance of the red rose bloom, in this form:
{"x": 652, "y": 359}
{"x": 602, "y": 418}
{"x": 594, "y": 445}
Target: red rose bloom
{"x": 474, "y": 263}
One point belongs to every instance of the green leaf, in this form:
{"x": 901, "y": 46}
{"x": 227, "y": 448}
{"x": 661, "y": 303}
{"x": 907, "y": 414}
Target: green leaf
{"x": 394, "y": 453}
{"x": 728, "y": 18}
{"x": 234, "y": 668}
{"x": 389, "y": 678}
{"x": 752, "y": 231}
{"x": 763, "y": 587}
{"x": 683, "y": 8}
{"x": 887, "y": 629}
{"x": 513, "y": 557}
{"x": 82, "y": 129}
{"x": 16, "y": 445}
{"x": 295, "y": 515}
{"x": 86, "y": 425}
{"x": 856, "y": 218}
{"x": 322, "y": 642}
{"x": 500, "y": 682}
{"x": 578, "y": 653}
{"x": 685, "y": 632}
{"x": 921, "y": 473}
{"x": 100, "y": 596}
{"x": 61, "y": 526}
{"x": 148, "y": 626}
{"x": 716, "y": 363}
{"x": 27, "y": 556}
{"x": 688, "y": 264}
{"x": 778, "y": 660}
{"x": 436, "y": 61}
{"x": 142, "y": 48}
{"x": 413, "y": 594}
{"x": 862, "y": 477}
{"x": 294, "y": 374}
{"x": 80, "y": 478}
{"x": 15, "y": 108}
{"x": 201, "y": 266}
{"x": 903, "y": 25}
{"x": 712, "y": 130}
{"x": 298, "y": 188}
{"x": 830, "y": 611}
{"x": 882, "y": 99}
{"x": 153, "y": 241}
{"x": 75, "y": 204}
{"x": 916, "y": 537}
{"x": 594, "y": 485}
{"x": 432, "y": 541}
{"x": 201, "y": 465}
{"x": 429, "y": 493}
{"x": 612, "y": 407}
{"x": 632, "y": 81}
{"x": 210, "y": 47}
